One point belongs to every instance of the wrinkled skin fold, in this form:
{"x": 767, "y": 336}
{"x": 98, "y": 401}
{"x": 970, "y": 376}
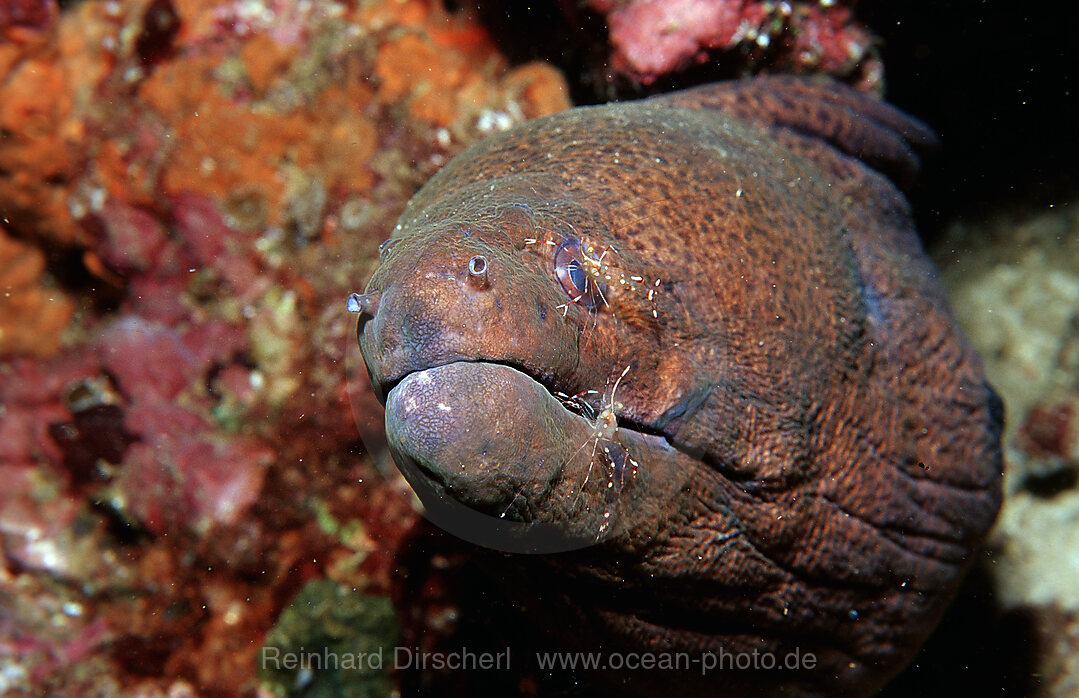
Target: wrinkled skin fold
{"x": 693, "y": 340}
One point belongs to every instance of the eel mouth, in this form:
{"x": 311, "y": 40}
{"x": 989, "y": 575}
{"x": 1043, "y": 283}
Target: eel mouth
{"x": 460, "y": 416}
{"x": 477, "y": 438}
{"x": 498, "y": 458}
{"x": 384, "y": 388}
{"x": 573, "y": 406}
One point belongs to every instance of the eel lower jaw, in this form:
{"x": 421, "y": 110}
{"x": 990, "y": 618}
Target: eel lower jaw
{"x": 484, "y": 434}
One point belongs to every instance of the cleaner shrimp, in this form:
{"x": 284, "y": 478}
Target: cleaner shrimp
{"x": 621, "y": 466}
{"x": 588, "y": 269}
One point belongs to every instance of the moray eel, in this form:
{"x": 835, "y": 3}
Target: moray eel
{"x": 696, "y": 338}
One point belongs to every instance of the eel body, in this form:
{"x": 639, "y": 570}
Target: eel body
{"x": 693, "y": 343}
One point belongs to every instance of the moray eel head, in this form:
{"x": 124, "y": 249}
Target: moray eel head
{"x": 477, "y": 338}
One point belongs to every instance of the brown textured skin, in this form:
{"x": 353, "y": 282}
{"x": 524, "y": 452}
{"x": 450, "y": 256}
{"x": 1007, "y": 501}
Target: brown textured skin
{"x": 820, "y": 452}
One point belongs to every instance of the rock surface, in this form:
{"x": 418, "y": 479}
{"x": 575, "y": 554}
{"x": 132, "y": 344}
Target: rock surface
{"x": 1013, "y": 277}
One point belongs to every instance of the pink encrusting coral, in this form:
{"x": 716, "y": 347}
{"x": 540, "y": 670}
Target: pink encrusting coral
{"x": 655, "y": 38}
{"x": 181, "y": 469}
{"x": 130, "y": 410}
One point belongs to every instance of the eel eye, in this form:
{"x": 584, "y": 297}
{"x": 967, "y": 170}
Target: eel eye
{"x": 570, "y": 271}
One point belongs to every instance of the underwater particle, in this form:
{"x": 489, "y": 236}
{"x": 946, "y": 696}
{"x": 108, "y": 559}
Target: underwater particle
{"x": 331, "y": 641}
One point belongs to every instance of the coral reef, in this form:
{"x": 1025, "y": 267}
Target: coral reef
{"x": 1014, "y": 282}
{"x": 651, "y": 39}
{"x": 33, "y": 312}
{"x": 178, "y": 422}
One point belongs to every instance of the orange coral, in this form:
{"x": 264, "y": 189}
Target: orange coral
{"x": 222, "y": 144}
{"x": 46, "y": 85}
{"x": 445, "y": 70}
{"x": 36, "y": 159}
{"x": 539, "y": 88}
{"x": 266, "y": 60}
{"x": 32, "y": 316}
{"x": 89, "y": 121}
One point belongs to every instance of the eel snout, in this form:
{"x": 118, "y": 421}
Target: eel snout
{"x": 498, "y": 460}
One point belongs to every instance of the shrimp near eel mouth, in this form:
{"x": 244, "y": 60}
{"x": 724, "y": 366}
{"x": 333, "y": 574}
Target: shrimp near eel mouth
{"x": 617, "y": 457}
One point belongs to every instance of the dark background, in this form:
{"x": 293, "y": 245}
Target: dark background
{"x": 995, "y": 78}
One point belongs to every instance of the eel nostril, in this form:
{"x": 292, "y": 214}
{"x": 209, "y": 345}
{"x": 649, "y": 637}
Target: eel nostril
{"x": 365, "y": 304}
{"x": 477, "y": 272}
